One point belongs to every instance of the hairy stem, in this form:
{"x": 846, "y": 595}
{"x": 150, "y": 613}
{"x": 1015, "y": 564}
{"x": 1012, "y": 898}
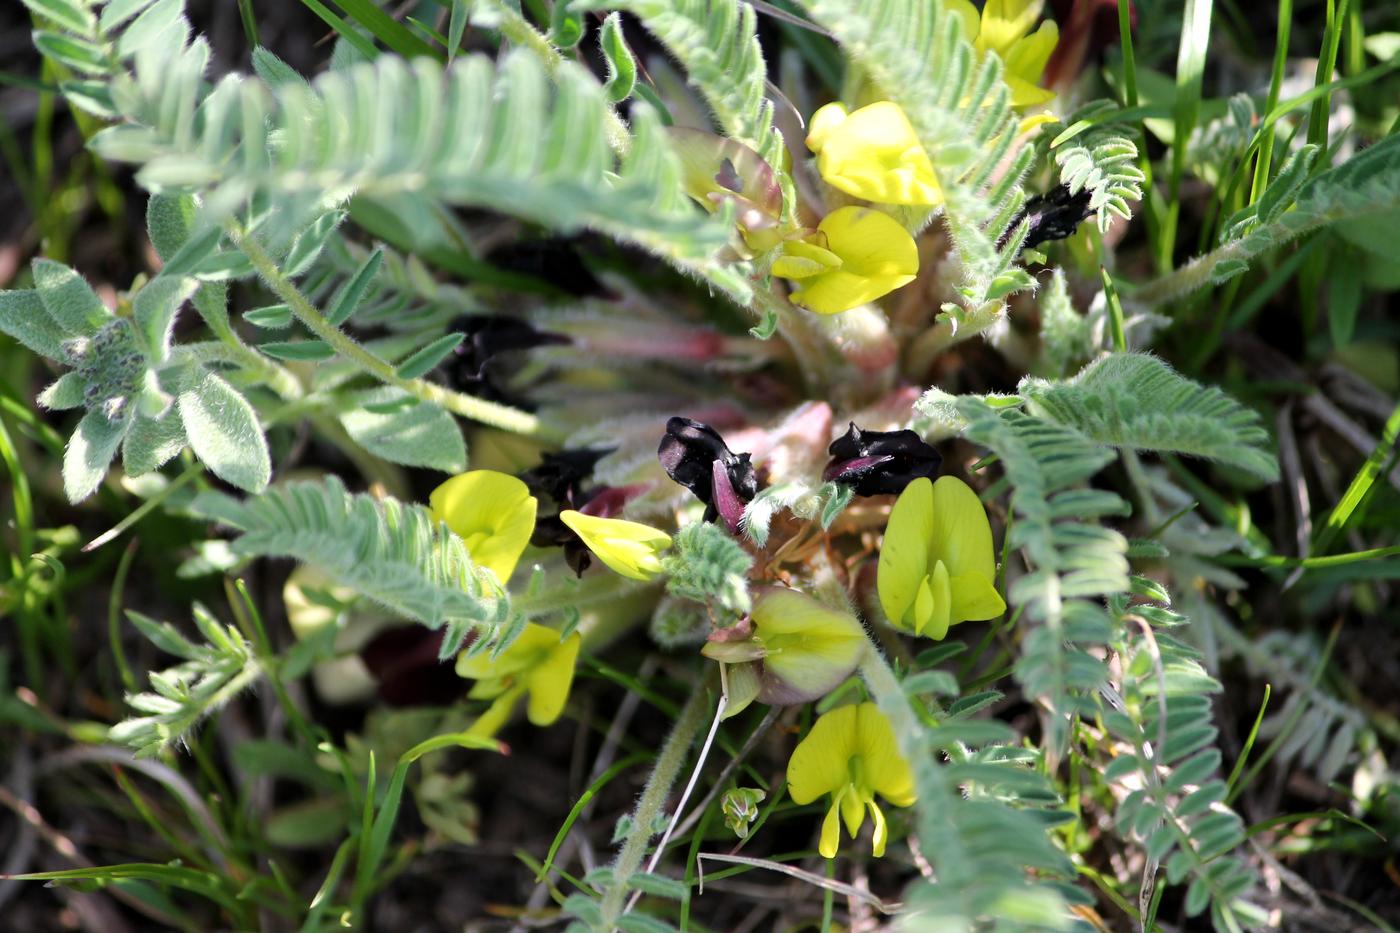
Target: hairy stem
{"x": 936, "y": 797}
{"x": 663, "y": 775}
{"x": 474, "y": 409}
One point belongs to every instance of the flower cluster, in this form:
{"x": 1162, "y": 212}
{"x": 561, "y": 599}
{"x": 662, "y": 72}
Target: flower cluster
{"x": 936, "y": 568}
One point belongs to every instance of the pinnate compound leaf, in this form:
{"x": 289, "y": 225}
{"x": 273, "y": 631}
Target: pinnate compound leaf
{"x": 1139, "y": 402}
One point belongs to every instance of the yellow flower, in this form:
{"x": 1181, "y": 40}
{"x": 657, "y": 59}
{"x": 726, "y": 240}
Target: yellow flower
{"x": 850, "y": 754}
{"x": 936, "y": 563}
{"x": 1004, "y": 27}
{"x": 537, "y": 664}
{"x": 874, "y": 154}
{"x": 629, "y": 548}
{"x": 493, "y": 513}
{"x": 858, "y": 255}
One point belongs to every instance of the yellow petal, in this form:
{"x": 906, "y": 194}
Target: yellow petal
{"x": 877, "y": 845}
{"x": 492, "y": 512}
{"x": 821, "y": 762}
{"x": 1005, "y": 21}
{"x": 975, "y": 599}
{"x": 628, "y": 548}
{"x": 1035, "y": 121}
{"x": 941, "y": 598}
{"x": 550, "y": 681}
{"x": 801, "y": 260}
{"x": 529, "y": 649}
{"x": 875, "y": 154}
{"x": 922, "y": 613}
{"x": 962, "y": 536}
{"x": 831, "y": 831}
{"x": 965, "y": 11}
{"x": 870, "y": 242}
{"x": 904, "y": 554}
{"x": 884, "y": 770}
{"x": 497, "y": 715}
{"x": 1028, "y": 57}
{"x": 1026, "y": 93}
{"x": 852, "y": 813}
{"x": 826, "y": 121}
{"x": 837, "y": 292}
{"x": 809, "y": 648}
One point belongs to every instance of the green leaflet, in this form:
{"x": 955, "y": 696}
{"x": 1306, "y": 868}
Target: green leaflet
{"x": 1139, "y": 402}
{"x": 388, "y": 551}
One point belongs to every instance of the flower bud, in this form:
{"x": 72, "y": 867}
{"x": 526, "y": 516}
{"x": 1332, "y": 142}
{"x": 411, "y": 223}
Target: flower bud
{"x": 694, "y": 455}
{"x": 802, "y": 648}
{"x": 876, "y": 463}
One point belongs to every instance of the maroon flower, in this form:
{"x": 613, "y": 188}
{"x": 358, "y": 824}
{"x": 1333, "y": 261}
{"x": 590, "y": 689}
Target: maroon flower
{"x": 877, "y": 463}
{"x": 404, "y": 662}
{"x": 694, "y": 455}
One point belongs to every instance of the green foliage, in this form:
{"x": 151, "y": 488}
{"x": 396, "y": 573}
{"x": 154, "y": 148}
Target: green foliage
{"x": 207, "y": 677}
{"x": 142, "y": 394}
{"x": 1102, "y": 159}
{"x": 1073, "y": 561}
{"x": 385, "y": 550}
{"x": 1140, "y": 403}
{"x": 1359, "y": 198}
{"x": 1177, "y": 808}
{"x": 717, "y": 42}
{"x": 708, "y": 566}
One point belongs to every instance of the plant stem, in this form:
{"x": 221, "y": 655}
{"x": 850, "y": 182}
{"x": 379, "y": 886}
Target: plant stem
{"x": 475, "y": 409}
{"x": 663, "y": 775}
{"x": 518, "y": 31}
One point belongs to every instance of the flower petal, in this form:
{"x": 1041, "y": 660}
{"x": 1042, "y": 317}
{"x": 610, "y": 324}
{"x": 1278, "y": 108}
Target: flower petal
{"x": 809, "y": 648}
{"x": 528, "y": 650}
{"x": 962, "y": 536}
{"x": 875, "y": 154}
{"x": 820, "y": 763}
{"x": 975, "y": 599}
{"x": 497, "y": 715}
{"x": 825, "y": 122}
{"x": 1027, "y": 58}
{"x": 628, "y": 548}
{"x": 904, "y": 555}
{"x": 493, "y": 512}
{"x": 852, "y": 812}
{"x": 870, "y": 242}
{"x": 885, "y": 770}
{"x": 831, "y": 828}
{"x": 877, "y": 844}
{"x": 841, "y": 291}
{"x": 940, "y": 616}
{"x": 1005, "y": 21}
{"x": 549, "y": 682}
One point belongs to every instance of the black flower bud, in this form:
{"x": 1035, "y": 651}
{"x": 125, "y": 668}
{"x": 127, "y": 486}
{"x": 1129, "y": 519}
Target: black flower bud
{"x": 472, "y": 367}
{"x": 877, "y": 463}
{"x": 562, "y": 474}
{"x": 694, "y": 455}
{"x": 563, "y": 477}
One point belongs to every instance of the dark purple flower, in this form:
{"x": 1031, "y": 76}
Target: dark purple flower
{"x": 1054, "y": 215}
{"x": 563, "y": 478}
{"x": 474, "y": 367}
{"x": 694, "y": 455}
{"x": 404, "y": 662}
{"x": 875, "y": 463}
